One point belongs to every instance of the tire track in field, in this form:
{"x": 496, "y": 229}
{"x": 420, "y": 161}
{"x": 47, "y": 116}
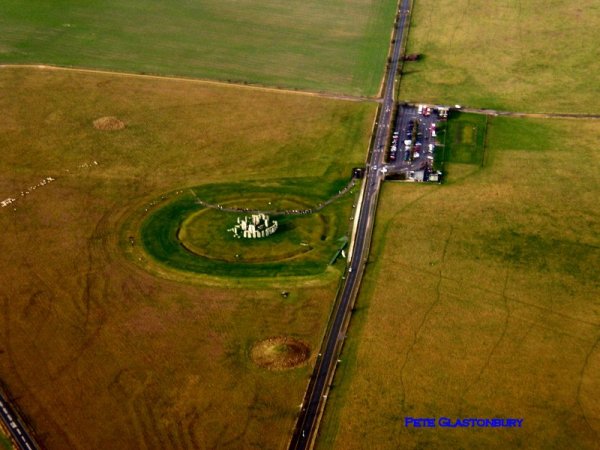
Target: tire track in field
{"x": 46, "y": 287}
{"x": 496, "y": 344}
{"x": 172, "y": 437}
{"x": 94, "y": 294}
{"x": 426, "y": 315}
{"x": 97, "y": 257}
{"x": 579, "y": 384}
{"x": 410, "y": 269}
{"x": 52, "y": 288}
{"x": 122, "y": 397}
{"x": 171, "y": 432}
{"x": 160, "y": 432}
{"x": 459, "y": 22}
{"x": 519, "y": 21}
{"x": 193, "y": 419}
{"x": 237, "y": 438}
{"x": 28, "y": 392}
{"x": 146, "y": 434}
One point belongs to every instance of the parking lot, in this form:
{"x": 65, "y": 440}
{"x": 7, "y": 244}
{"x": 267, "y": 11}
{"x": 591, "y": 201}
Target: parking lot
{"x": 412, "y": 151}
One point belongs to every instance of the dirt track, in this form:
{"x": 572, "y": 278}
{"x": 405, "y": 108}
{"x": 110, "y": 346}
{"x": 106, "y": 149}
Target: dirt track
{"x": 350, "y": 98}
{"x": 493, "y": 112}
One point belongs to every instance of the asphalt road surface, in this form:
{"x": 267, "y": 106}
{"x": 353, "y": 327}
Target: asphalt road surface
{"x": 14, "y": 425}
{"x": 316, "y": 394}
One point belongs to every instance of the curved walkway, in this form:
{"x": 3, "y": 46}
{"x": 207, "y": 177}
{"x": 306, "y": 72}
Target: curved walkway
{"x": 286, "y": 212}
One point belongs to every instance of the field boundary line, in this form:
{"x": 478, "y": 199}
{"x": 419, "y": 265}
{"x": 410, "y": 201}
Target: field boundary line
{"x": 493, "y": 112}
{"x": 485, "y": 142}
{"x": 332, "y": 96}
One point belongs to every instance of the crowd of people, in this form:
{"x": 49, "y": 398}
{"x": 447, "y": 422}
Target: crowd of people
{"x": 286, "y": 212}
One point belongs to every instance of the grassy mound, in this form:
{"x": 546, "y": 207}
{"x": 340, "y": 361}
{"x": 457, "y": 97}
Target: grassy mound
{"x": 108, "y": 124}
{"x": 280, "y": 353}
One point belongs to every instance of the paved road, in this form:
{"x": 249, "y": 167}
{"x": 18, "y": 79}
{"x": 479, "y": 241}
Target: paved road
{"x": 316, "y": 394}
{"x": 13, "y": 423}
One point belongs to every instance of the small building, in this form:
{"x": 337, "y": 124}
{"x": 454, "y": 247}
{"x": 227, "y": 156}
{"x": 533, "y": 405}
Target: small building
{"x": 435, "y": 177}
{"x": 358, "y": 172}
{"x": 419, "y": 175}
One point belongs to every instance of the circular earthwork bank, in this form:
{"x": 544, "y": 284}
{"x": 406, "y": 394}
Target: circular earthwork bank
{"x": 190, "y": 230}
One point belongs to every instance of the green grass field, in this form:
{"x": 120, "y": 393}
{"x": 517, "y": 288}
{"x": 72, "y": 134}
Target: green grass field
{"x": 533, "y": 56}
{"x": 337, "y": 46}
{"x": 5, "y": 443}
{"x": 482, "y": 300}
{"x": 102, "y": 353}
{"x": 463, "y": 142}
{"x": 186, "y": 236}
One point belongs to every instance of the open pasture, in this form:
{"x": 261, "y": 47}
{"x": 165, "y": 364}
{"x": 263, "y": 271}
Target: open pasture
{"x": 100, "y": 352}
{"x": 482, "y": 300}
{"x": 531, "y": 56}
{"x": 337, "y": 46}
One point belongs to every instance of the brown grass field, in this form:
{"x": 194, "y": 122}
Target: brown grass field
{"x": 99, "y": 353}
{"x": 482, "y": 299}
{"x": 533, "y": 56}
